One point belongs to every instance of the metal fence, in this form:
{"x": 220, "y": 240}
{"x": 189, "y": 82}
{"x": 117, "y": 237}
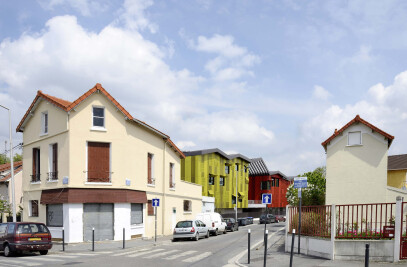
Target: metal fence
{"x": 354, "y": 221}
{"x": 315, "y": 220}
{"x": 365, "y": 221}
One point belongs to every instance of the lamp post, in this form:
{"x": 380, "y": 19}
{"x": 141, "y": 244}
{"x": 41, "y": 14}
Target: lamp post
{"x": 11, "y": 166}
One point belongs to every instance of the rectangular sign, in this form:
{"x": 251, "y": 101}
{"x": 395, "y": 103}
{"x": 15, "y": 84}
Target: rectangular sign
{"x": 156, "y": 202}
{"x": 300, "y": 182}
{"x": 266, "y": 198}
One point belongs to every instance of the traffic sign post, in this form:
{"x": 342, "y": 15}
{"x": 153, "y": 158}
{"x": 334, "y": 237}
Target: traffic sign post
{"x": 300, "y": 182}
{"x": 266, "y": 198}
{"x": 156, "y": 203}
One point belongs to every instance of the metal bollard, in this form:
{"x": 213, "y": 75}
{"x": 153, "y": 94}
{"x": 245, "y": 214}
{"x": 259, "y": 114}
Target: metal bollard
{"x": 93, "y": 239}
{"x": 63, "y": 239}
{"x": 124, "y": 237}
{"x": 265, "y": 247}
{"x": 292, "y": 249}
{"x": 367, "y": 255}
{"x": 248, "y": 246}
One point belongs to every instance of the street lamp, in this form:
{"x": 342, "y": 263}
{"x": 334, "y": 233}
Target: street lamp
{"x": 236, "y": 170}
{"x": 11, "y": 167}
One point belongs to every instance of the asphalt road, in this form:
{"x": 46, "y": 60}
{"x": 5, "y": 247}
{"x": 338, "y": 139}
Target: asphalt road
{"x": 222, "y": 250}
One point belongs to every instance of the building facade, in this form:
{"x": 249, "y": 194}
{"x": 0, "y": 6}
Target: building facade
{"x": 356, "y": 165}
{"x": 218, "y": 174}
{"x": 5, "y": 188}
{"x": 90, "y": 164}
{"x": 263, "y": 181}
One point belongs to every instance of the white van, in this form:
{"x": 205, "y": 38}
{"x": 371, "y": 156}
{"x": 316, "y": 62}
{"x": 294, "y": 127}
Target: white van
{"x": 213, "y": 221}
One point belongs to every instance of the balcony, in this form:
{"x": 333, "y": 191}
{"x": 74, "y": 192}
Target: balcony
{"x": 52, "y": 176}
{"x": 36, "y": 178}
{"x": 255, "y": 204}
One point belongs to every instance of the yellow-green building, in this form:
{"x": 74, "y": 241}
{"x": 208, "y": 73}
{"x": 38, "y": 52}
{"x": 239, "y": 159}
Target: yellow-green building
{"x": 218, "y": 174}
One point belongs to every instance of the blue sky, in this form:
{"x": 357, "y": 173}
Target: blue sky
{"x": 269, "y": 79}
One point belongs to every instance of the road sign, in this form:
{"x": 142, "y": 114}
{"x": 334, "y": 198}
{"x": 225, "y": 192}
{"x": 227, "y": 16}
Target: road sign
{"x": 156, "y": 202}
{"x": 300, "y": 182}
{"x": 266, "y": 198}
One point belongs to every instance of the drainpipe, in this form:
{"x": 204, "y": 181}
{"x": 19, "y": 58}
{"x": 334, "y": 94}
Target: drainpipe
{"x": 163, "y": 202}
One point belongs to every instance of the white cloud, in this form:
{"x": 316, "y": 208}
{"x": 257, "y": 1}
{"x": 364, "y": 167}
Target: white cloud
{"x": 321, "y": 93}
{"x": 84, "y": 7}
{"x": 185, "y": 145}
{"x": 135, "y": 17}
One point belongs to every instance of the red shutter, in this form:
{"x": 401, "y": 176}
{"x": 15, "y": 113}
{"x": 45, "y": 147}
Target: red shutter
{"x": 55, "y": 161}
{"x": 149, "y": 159}
{"x": 98, "y": 162}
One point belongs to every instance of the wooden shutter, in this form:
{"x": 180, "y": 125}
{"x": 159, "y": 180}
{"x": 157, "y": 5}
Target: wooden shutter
{"x": 34, "y": 164}
{"x": 98, "y": 162}
{"x": 171, "y": 169}
{"x": 55, "y": 161}
{"x": 149, "y": 159}
{"x": 150, "y": 208}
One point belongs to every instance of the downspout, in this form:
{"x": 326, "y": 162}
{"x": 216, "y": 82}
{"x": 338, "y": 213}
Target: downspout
{"x": 163, "y": 201}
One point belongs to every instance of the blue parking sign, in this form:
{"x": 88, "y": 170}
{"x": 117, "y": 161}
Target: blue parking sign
{"x": 266, "y": 198}
{"x": 156, "y": 202}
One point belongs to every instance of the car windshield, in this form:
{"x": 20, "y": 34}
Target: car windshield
{"x": 184, "y": 224}
{"x": 31, "y": 228}
{"x": 262, "y": 216}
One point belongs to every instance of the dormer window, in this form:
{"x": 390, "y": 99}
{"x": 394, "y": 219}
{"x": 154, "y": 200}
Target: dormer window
{"x": 354, "y": 138}
{"x": 99, "y": 117}
{"x": 44, "y": 122}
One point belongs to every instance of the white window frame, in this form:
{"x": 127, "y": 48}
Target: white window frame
{"x": 99, "y": 128}
{"x": 360, "y": 133}
{"x": 44, "y": 123}
{"x": 190, "y": 206}
{"x": 152, "y": 169}
{"x": 173, "y": 175}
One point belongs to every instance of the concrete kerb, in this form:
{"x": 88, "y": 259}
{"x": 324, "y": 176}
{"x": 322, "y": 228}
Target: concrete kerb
{"x": 235, "y": 260}
{"x": 108, "y": 245}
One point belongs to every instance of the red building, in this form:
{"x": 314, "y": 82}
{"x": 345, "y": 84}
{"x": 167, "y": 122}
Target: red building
{"x": 261, "y": 181}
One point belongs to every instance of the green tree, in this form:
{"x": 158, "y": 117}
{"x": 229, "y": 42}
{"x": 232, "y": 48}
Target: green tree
{"x": 314, "y": 194}
{"x": 4, "y": 159}
{"x": 17, "y": 157}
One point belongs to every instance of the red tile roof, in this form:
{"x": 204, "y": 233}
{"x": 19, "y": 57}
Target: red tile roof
{"x": 5, "y": 178}
{"x": 67, "y": 106}
{"x": 358, "y": 119}
{"x": 6, "y": 166}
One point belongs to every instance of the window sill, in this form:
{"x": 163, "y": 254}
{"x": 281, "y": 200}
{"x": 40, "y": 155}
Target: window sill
{"x": 187, "y": 212}
{"x": 52, "y": 181}
{"x": 97, "y": 183}
{"x": 354, "y": 145}
{"x": 172, "y": 189}
{"x": 137, "y": 225}
{"x": 43, "y": 134}
{"x": 39, "y": 182}
{"x": 98, "y": 129}
{"x": 151, "y": 185}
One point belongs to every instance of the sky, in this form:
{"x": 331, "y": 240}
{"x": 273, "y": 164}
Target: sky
{"x": 266, "y": 78}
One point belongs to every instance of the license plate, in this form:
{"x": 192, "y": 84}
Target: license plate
{"x": 34, "y": 239}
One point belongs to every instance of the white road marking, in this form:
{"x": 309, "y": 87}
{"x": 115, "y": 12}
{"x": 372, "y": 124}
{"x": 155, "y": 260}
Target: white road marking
{"x": 199, "y": 257}
{"x": 144, "y": 253}
{"x": 85, "y": 254}
{"x": 19, "y": 263}
{"x": 104, "y": 252}
{"x": 43, "y": 258}
{"x": 129, "y": 252}
{"x": 186, "y": 253}
{"x": 62, "y": 256}
{"x": 156, "y": 255}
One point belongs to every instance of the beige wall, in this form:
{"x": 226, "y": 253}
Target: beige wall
{"x": 130, "y": 145}
{"x": 357, "y": 174}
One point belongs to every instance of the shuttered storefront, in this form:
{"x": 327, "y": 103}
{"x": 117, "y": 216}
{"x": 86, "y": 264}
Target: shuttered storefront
{"x": 100, "y": 217}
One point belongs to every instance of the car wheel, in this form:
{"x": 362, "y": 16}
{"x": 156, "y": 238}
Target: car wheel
{"x": 207, "y": 234}
{"x": 196, "y": 237}
{"x": 174, "y": 240}
{"x": 7, "y": 251}
{"x": 216, "y": 232}
{"x": 225, "y": 231}
{"x": 43, "y": 252}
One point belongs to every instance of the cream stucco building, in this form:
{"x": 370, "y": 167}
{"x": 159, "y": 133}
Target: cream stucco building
{"x": 356, "y": 165}
{"x": 90, "y": 164}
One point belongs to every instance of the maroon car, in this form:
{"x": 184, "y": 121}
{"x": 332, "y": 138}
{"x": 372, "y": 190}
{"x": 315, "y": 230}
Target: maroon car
{"x": 280, "y": 218}
{"x": 24, "y": 236}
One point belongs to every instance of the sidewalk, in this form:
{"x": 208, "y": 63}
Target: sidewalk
{"x": 108, "y": 245}
{"x": 276, "y": 256}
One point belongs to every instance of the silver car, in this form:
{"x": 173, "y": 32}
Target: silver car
{"x": 193, "y": 229}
